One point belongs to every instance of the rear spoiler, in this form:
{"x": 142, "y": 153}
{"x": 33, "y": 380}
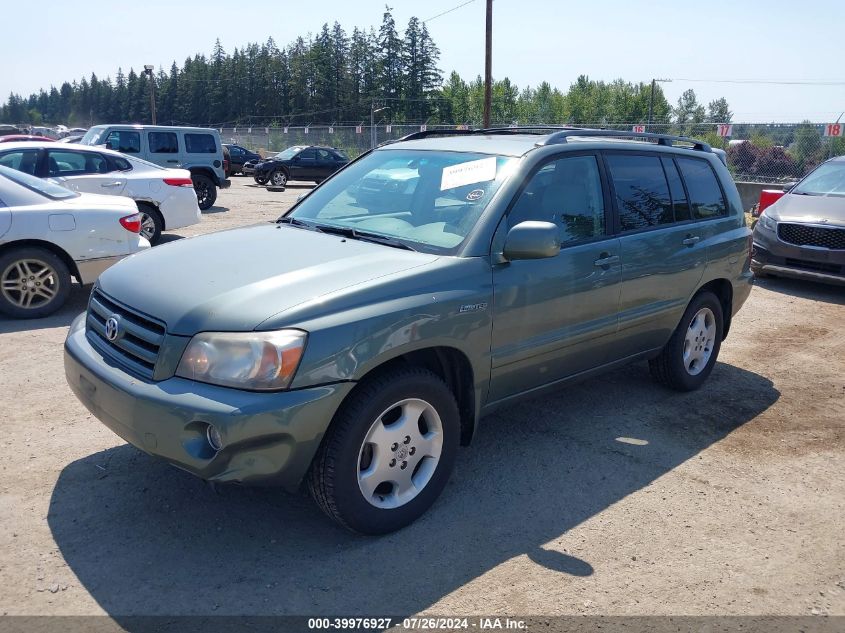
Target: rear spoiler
{"x": 723, "y": 156}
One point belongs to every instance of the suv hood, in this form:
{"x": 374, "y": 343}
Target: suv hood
{"x": 801, "y": 208}
{"x": 234, "y": 280}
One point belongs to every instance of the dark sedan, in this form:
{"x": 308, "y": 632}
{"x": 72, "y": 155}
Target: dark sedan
{"x": 300, "y": 162}
{"x": 802, "y": 235}
{"x": 238, "y": 156}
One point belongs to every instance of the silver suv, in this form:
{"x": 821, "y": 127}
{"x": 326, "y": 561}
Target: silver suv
{"x": 199, "y": 150}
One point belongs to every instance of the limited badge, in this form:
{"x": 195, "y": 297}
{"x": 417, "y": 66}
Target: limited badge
{"x": 475, "y": 194}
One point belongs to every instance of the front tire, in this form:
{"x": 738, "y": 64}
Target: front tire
{"x": 688, "y": 358}
{"x": 34, "y": 283}
{"x": 206, "y": 191}
{"x": 388, "y": 453}
{"x": 279, "y": 178}
{"x": 261, "y": 180}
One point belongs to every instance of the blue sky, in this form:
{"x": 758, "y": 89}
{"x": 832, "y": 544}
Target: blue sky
{"x": 534, "y": 40}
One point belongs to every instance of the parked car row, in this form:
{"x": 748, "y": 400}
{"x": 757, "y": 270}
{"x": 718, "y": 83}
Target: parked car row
{"x": 198, "y": 150}
{"x": 164, "y": 196}
{"x": 300, "y": 162}
{"x": 49, "y": 234}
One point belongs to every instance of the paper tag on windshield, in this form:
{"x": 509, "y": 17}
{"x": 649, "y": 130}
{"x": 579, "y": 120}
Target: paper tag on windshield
{"x": 468, "y": 173}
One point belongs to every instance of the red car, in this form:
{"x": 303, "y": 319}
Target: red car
{"x": 23, "y": 137}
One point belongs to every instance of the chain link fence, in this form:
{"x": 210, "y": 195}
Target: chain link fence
{"x": 773, "y": 153}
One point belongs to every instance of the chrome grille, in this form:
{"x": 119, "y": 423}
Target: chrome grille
{"x": 809, "y": 235}
{"x": 137, "y": 345}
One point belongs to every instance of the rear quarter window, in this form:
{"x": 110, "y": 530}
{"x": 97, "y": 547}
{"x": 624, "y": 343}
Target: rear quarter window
{"x": 200, "y": 144}
{"x": 705, "y": 194}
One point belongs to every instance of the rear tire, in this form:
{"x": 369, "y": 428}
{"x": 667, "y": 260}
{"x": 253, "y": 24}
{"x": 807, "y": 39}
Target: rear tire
{"x": 388, "y": 452}
{"x": 34, "y": 283}
{"x": 151, "y": 223}
{"x": 206, "y": 191}
{"x": 261, "y": 180}
{"x": 688, "y": 358}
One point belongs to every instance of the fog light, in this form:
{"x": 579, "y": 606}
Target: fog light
{"x": 214, "y": 439}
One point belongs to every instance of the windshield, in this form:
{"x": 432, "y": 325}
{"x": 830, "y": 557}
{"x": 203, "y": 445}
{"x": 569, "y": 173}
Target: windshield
{"x": 290, "y": 152}
{"x": 46, "y": 188}
{"x": 93, "y": 136}
{"x": 426, "y": 199}
{"x": 827, "y": 180}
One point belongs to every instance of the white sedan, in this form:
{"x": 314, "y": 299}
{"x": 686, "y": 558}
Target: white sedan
{"x": 49, "y": 233}
{"x": 165, "y": 196}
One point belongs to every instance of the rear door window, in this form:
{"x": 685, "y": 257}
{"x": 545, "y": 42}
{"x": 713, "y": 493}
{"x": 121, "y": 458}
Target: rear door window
{"x": 641, "y": 191}
{"x": 200, "y": 144}
{"x": 24, "y": 160}
{"x": 63, "y": 163}
{"x": 126, "y": 141}
{"x": 705, "y": 194}
{"x": 163, "y": 143}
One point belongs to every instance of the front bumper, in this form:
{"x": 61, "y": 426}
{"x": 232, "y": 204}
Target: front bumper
{"x": 268, "y": 438}
{"x": 771, "y": 255}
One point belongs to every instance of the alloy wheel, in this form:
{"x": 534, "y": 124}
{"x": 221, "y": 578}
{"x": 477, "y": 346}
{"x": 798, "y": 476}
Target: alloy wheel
{"x": 400, "y": 453}
{"x": 29, "y": 283}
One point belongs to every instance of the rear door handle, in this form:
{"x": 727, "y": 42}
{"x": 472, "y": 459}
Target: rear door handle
{"x": 691, "y": 240}
{"x": 173, "y": 161}
{"x": 115, "y": 183}
{"x": 606, "y": 259}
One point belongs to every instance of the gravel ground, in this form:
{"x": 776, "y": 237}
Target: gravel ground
{"x": 614, "y": 496}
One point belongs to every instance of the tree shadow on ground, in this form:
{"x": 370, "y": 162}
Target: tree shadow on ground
{"x": 144, "y": 538}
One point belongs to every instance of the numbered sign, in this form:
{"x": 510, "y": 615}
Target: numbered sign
{"x": 724, "y": 129}
{"x": 834, "y": 129}
{"x": 234, "y": 130}
{"x": 285, "y": 130}
{"x": 423, "y": 127}
{"x": 306, "y": 130}
{"x": 639, "y": 129}
{"x": 461, "y": 127}
{"x": 249, "y": 130}
{"x": 331, "y": 130}
{"x": 358, "y": 129}
{"x": 266, "y": 130}
{"x": 388, "y": 128}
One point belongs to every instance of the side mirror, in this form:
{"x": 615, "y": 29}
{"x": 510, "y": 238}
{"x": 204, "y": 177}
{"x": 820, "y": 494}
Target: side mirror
{"x": 532, "y": 240}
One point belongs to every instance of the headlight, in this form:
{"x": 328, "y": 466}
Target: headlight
{"x": 768, "y": 223}
{"x": 258, "y": 361}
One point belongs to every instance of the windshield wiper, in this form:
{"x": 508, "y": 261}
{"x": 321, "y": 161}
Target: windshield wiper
{"x": 355, "y": 234}
{"x": 297, "y": 222}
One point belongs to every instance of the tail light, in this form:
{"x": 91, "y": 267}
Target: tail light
{"x": 179, "y": 182}
{"x": 131, "y": 223}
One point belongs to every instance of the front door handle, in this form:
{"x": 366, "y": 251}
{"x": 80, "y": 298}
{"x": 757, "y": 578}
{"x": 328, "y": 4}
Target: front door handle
{"x": 115, "y": 183}
{"x": 606, "y": 259}
{"x": 691, "y": 240}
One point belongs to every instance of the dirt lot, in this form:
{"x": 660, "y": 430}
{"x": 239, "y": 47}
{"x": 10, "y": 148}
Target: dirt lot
{"x": 613, "y": 497}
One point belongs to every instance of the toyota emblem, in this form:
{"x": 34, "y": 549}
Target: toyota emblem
{"x": 112, "y": 328}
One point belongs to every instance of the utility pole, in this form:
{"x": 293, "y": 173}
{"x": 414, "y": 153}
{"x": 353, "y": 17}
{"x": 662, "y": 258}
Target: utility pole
{"x": 148, "y": 69}
{"x": 488, "y": 65}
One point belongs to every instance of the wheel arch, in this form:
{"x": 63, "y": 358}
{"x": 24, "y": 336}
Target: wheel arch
{"x": 153, "y": 207}
{"x": 452, "y": 366}
{"x": 723, "y": 289}
{"x": 58, "y": 251}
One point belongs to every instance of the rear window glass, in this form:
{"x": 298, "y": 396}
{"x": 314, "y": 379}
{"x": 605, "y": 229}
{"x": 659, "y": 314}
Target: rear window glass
{"x": 704, "y": 190}
{"x": 676, "y": 188}
{"x": 200, "y": 144}
{"x": 23, "y": 160}
{"x": 163, "y": 143}
{"x": 45, "y": 188}
{"x": 642, "y": 194}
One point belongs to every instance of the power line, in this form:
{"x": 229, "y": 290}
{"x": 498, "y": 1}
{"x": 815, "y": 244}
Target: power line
{"x": 434, "y": 17}
{"x": 776, "y": 82}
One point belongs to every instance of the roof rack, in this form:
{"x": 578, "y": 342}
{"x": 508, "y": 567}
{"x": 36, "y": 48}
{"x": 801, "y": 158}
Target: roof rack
{"x": 561, "y": 134}
{"x": 662, "y": 139}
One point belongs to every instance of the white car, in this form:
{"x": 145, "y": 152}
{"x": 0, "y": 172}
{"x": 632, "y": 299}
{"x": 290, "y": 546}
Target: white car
{"x": 165, "y": 196}
{"x": 49, "y": 233}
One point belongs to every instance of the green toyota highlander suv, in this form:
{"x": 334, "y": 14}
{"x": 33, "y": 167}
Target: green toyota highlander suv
{"x": 355, "y": 343}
